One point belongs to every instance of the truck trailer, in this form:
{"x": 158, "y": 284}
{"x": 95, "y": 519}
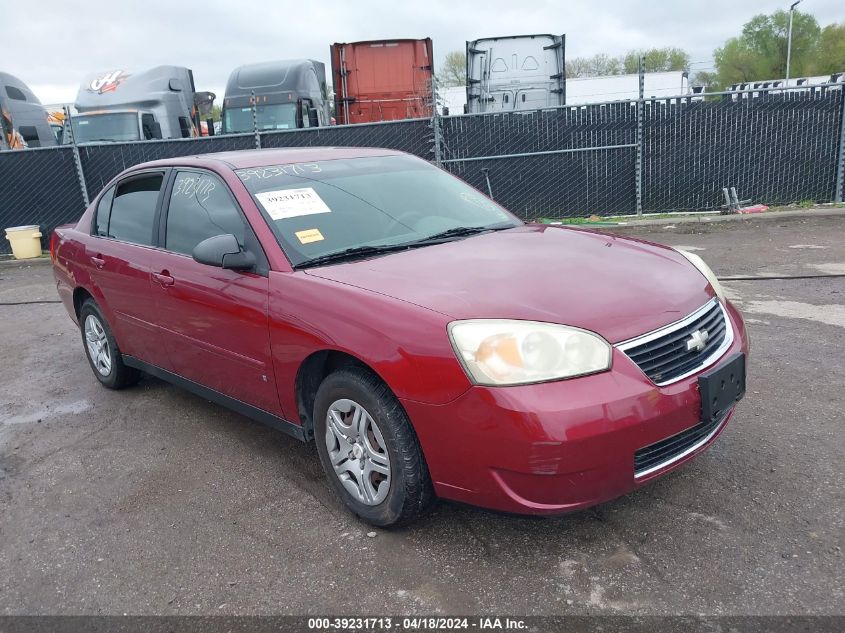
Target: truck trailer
{"x": 117, "y": 106}
{"x": 23, "y": 120}
{"x": 516, "y": 72}
{"x": 583, "y": 90}
{"x": 382, "y": 80}
{"x": 287, "y": 94}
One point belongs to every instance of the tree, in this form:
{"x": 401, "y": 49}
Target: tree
{"x": 595, "y": 66}
{"x": 656, "y": 60}
{"x": 453, "y": 72}
{"x": 760, "y": 51}
{"x": 831, "y": 54}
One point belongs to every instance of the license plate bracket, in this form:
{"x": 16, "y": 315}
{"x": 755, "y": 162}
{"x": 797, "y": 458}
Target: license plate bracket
{"x": 721, "y": 387}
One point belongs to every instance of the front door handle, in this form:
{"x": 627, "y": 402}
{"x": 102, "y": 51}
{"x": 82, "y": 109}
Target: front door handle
{"x": 163, "y": 278}
{"x": 98, "y": 262}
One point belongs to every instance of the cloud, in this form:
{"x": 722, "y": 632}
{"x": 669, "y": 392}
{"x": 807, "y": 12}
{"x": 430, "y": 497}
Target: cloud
{"x": 53, "y": 49}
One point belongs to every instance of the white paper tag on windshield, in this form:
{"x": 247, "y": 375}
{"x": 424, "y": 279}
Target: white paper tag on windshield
{"x": 292, "y": 203}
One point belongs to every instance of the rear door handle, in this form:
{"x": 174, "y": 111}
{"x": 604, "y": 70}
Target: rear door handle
{"x": 163, "y": 278}
{"x": 98, "y": 262}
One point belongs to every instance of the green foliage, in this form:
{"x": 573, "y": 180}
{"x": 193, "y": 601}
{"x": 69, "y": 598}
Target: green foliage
{"x": 453, "y": 72}
{"x": 760, "y": 51}
{"x": 831, "y": 52}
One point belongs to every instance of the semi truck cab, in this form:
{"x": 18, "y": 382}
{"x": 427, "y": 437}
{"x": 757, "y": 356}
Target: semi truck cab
{"x": 117, "y": 106}
{"x": 287, "y": 95}
{"x": 23, "y": 120}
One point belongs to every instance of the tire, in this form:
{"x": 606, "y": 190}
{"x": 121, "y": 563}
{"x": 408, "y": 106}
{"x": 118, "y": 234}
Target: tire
{"x": 359, "y": 402}
{"x": 108, "y": 367}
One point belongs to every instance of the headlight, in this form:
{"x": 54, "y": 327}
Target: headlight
{"x": 704, "y": 269}
{"x": 502, "y": 352}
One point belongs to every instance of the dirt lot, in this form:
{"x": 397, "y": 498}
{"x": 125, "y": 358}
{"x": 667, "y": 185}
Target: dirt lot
{"x": 152, "y": 500}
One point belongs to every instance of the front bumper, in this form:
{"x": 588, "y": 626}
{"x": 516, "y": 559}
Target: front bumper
{"x": 560, "y": 446}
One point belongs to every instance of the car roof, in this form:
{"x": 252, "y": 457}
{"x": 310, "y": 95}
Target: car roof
{"x": 247, "y": 159}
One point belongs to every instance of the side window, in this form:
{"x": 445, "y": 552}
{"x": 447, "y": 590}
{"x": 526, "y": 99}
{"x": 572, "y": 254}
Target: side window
{"x": 200, "y": 207}
{"x": 304, "y": 106}
{"x": 148, "y": 126}
{"x": 15, "y": 93}
{"x": 30, "y": 135}
{"x": 133, "y": 209}
{"x": 101, "y": 224}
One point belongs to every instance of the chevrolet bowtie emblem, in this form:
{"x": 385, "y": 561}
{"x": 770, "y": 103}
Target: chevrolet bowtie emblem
{"x": 697, "y": 340}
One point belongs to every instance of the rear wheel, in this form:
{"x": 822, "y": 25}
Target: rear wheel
{"x": 102, "y": 351}
{"x": 369, "y": 450}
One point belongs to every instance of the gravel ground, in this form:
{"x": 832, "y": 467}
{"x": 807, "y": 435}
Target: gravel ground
{"x": 154, "y": 501}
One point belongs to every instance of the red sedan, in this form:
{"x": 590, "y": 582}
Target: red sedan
{"x": 431, "y": 343}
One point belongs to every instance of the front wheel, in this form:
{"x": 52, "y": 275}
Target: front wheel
{"x": 102, "y": 351}
{"x": 369, "y": 450}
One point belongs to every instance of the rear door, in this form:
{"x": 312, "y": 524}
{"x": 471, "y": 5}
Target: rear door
{"x": 214, "y": 320}
{"x": 118, "y": 256}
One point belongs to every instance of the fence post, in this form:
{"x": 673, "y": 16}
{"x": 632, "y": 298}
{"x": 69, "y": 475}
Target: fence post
{"x": 255, "y": 121}
{"x": 435, "y": 120}
{"x": 840, "y": 168}
{"x": 77, "y": 161}
{"x": 639, "y": 162}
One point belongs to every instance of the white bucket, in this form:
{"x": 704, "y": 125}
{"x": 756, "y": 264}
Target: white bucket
{"x": 25, "y": 241}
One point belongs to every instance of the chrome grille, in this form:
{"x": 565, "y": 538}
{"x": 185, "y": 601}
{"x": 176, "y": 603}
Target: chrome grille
{"x": 682, "y": 348}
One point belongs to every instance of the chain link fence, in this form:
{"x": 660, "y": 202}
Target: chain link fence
{"x": 548, "y": 163}
{"x": 38, "y": 186}
{"x": 605, "y": 159}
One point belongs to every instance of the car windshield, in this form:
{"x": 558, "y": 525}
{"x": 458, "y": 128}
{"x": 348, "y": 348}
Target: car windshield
{"x": 116, "y": 127}
{"x": 268, "y": 117}
{"x": 327, "y": 207}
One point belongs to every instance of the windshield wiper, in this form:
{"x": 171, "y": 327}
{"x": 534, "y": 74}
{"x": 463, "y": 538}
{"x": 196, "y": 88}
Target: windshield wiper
{"x": 437, "y": 238}
{"x": 462, "y": 231}
{"x": 352, "y": 253}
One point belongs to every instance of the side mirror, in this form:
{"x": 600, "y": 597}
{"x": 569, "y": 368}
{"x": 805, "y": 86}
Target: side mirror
{"x": 313, "y": 119}
{"x": 223, "y": 251}
{"x": 156, "y": 129}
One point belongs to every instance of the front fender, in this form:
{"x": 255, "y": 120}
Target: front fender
{"x": 406, "y": 345}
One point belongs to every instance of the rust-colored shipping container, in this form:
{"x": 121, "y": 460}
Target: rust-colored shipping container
{"x": 382, "y": 80}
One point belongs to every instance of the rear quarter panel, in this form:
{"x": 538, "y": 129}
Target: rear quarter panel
{"x": 69, "y": 270}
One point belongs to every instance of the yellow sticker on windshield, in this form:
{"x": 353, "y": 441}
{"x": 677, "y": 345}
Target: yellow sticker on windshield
{"x": 309, "y": 235}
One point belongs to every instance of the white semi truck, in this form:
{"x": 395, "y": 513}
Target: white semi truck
{"x": 517, "y": 72}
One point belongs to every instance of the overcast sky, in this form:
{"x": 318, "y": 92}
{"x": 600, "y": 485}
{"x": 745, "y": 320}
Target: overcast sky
{"x": 53, "y": 45}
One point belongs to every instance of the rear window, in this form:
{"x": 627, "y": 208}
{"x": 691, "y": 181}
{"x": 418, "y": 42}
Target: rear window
{"x": 101, "y": 226}
{"x": 133, "y": 210}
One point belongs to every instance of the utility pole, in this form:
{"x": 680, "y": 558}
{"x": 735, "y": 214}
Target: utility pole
{"x": 789, "y": 41}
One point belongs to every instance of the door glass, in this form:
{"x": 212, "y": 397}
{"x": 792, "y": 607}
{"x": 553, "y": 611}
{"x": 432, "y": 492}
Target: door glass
{"x": 148, "y": 125}
{"x": 305, "y": 104}
{"x": 134, "y": 208}
{"x": 200, "y": 207}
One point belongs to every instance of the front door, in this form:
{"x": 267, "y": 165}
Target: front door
{"x": 213, "y": 320}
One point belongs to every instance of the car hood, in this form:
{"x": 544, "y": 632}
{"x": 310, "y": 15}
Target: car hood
{"x": 618, "y": 287}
